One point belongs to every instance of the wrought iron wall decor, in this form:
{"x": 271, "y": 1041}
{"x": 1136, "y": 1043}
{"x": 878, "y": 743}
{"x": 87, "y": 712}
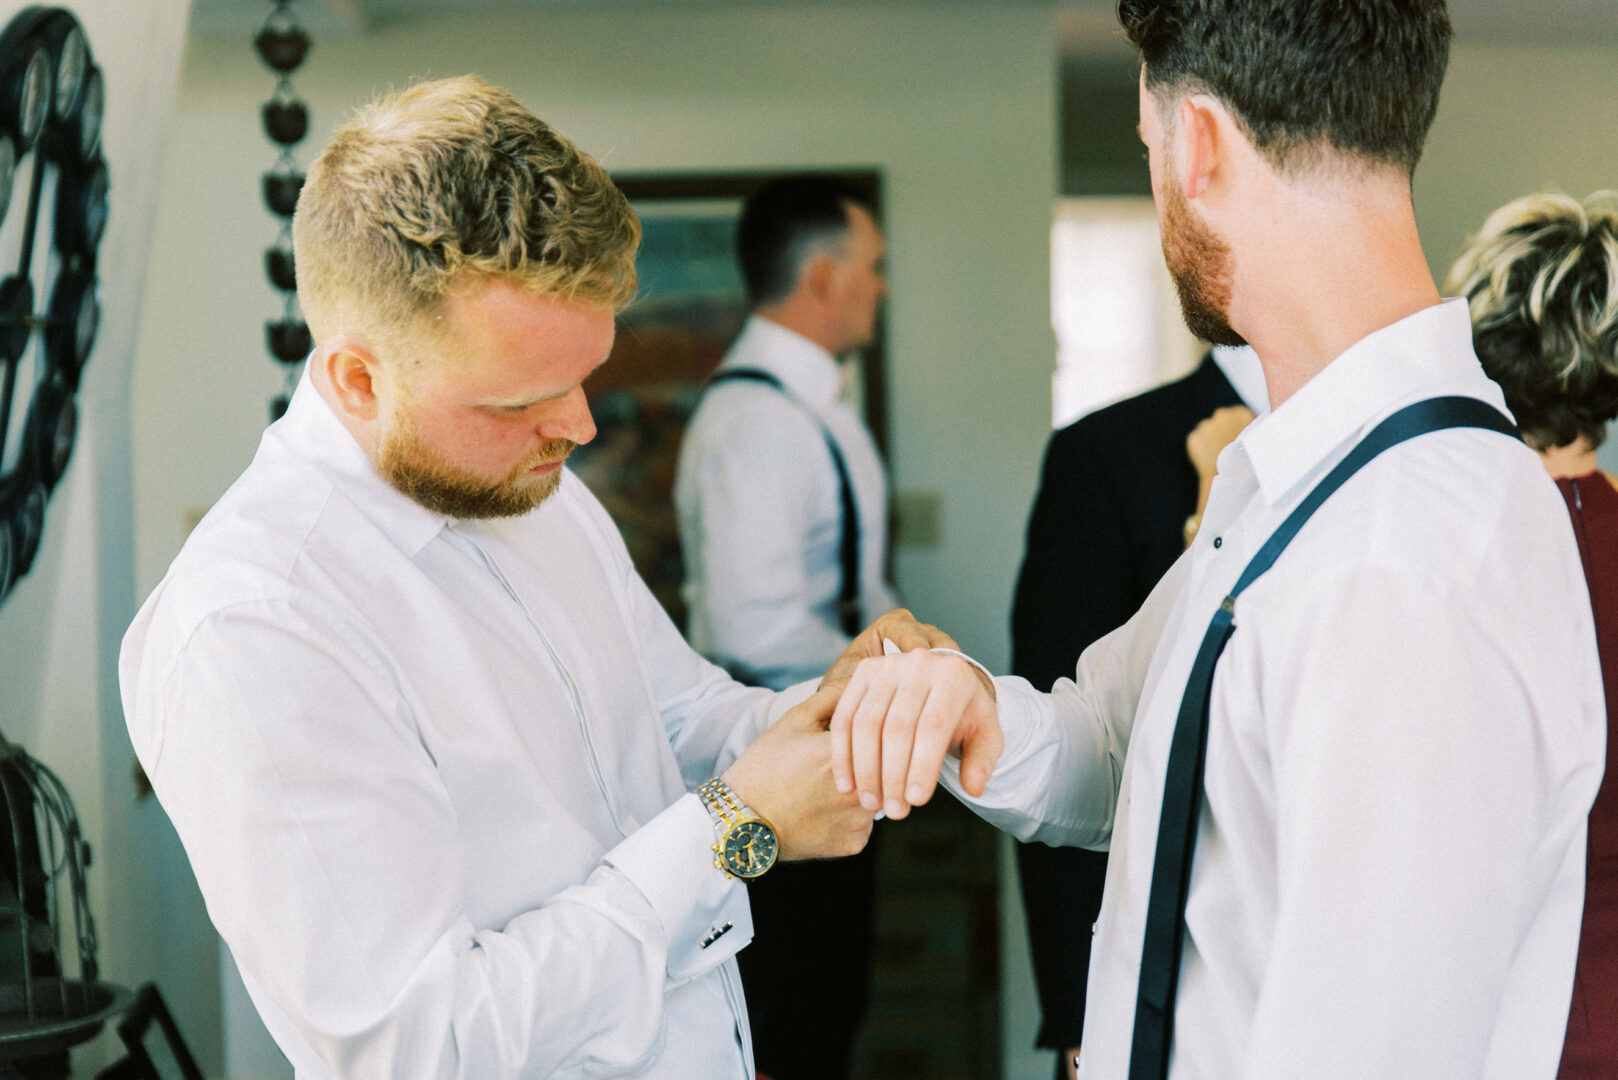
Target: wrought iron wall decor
{"x": 282, "y": 44}
{"x": 53, "y": 211}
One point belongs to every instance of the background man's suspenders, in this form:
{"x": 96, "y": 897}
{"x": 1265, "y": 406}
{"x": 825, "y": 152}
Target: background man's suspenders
{"x": 849, "y": 613}
{"x": 1182, "y": 786}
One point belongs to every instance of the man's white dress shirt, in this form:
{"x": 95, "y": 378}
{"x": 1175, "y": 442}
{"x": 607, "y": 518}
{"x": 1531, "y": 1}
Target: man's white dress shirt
{"x": 761, "y": 514}
{"x": 432, "y": 776}
{"x": 1406, "y": 735}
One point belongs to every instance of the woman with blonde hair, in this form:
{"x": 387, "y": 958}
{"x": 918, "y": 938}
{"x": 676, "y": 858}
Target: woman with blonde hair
{"x": 1542, "y": 282}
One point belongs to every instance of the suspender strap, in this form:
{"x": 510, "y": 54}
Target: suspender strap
{"x": 849, "y": 615}
{"x": 1182, "y": 785}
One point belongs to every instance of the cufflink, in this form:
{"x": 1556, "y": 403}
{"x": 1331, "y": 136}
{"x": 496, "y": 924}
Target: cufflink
{"x": 715, "y": 934}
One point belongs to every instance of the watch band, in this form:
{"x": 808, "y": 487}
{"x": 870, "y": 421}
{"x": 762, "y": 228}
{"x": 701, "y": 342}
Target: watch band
{"x": 722, "y": 804}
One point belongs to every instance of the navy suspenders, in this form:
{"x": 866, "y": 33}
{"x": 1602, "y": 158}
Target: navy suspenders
{"x": 1182, "y": 786}
{"x": 849, "y": 615}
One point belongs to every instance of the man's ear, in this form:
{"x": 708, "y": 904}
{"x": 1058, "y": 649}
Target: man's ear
{"x": 356, "y": 377}
{"x": 819, "y": 275}
{"x": 1199, "y": 144}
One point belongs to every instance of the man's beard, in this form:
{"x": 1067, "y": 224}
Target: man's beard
{"x": 422, "y": 473}
{"x": 1199, "y": 262}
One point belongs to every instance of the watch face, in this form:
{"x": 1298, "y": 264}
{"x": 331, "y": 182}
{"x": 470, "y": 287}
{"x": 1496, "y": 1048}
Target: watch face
{"x": 749, "y": 848}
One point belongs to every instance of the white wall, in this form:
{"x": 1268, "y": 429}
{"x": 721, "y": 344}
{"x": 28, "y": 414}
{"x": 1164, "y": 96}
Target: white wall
{"x": 60, "y": 629}
{"x": 955, "y": 103}
{"x": 1514, "y": 120}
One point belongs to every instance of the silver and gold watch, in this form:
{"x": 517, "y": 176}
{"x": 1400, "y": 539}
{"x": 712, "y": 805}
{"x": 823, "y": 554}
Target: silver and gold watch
{"x": 747, "y": 844}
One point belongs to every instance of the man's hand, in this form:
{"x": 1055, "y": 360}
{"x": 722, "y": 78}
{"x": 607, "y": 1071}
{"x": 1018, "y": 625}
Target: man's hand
{"x": 785, "y": 776}
{"x": 899, "y": 716}
{"x": 897, "y": 626}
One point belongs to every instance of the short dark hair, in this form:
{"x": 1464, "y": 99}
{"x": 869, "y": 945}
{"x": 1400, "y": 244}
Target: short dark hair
{"x": 1542, "y": 282}
{"x": 1360, "y": 76}
{"x": 783, "y": 223}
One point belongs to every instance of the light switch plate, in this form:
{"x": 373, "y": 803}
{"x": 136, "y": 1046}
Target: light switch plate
{"x": 918, "y": 518}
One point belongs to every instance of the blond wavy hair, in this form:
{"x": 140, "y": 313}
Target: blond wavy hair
{"x": 1541, "y": 279}
{"x": 431, "y": 187}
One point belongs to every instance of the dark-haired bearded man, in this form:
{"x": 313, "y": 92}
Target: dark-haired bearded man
{"x": 1404, "y": 730}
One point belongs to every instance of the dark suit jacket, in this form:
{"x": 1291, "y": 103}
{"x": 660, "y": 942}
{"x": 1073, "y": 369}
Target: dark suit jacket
{"x": 1116, "y": 489}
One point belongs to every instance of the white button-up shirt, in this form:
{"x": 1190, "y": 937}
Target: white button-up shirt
{"x": 761, "y": 516}
{"x": 432, "y": 777}
{"x": 1406, "y": 735}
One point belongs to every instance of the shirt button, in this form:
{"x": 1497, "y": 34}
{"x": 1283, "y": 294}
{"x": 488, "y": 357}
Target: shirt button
{"x": 1219, "y": 541}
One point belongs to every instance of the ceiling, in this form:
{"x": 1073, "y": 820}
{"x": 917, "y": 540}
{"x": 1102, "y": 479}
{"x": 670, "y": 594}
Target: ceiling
{"x": 1085, "y": 24}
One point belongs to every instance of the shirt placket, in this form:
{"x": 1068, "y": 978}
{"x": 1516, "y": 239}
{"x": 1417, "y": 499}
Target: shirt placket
{"x": 470, "y": 546}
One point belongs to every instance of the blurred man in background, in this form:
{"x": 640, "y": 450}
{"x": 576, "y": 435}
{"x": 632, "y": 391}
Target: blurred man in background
{"x": 782, "y": 505}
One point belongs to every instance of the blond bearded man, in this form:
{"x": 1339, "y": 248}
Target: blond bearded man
{"x": 1404, "y": 730}
{"x": 432, "y": 747}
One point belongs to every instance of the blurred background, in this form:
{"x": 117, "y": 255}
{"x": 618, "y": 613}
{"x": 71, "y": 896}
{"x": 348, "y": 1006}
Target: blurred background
{"x": 1026, "y": 289}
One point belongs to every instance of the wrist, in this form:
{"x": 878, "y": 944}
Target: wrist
{"x": 978, "y": 669}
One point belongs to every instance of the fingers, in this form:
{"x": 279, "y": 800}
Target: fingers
{"x": 898, "y": 735}
{"x": 980, "y": 750}
{"x": 867, "y": 740}
{"x": 899, "y": 717}
{"x": 898, "y": 626}
{"x": 935, "y": 731}
{"x": 905, "y": 631}
{"x": 816, "y": 710}
{"x": 841, "y": 728}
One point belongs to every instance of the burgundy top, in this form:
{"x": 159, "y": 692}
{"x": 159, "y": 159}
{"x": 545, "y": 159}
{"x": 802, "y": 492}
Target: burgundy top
{"x": 1591, "y": 1052}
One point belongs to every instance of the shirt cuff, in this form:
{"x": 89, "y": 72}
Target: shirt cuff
{"x": 704, "y": 913}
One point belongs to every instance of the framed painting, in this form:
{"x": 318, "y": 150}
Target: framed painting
{"x": 690, "y": 306}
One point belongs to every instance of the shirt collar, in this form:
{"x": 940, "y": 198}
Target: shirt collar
{"x": 1384, "y": 369}
{"x": 311, "y": 431}
{"x": 808, "y": 371}
{"x": 1245, "y": 374}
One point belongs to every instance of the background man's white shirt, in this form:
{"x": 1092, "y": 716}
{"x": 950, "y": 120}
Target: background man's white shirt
{"x": 1407, "y": 732}
{"x": 761, "y": 516}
